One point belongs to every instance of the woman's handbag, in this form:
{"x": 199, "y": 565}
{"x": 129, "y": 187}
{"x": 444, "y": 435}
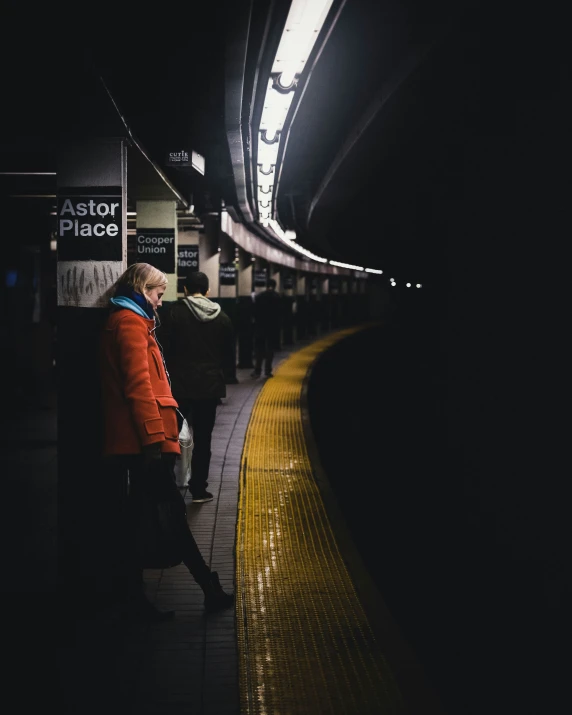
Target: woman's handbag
{"x": 183, "y": 468}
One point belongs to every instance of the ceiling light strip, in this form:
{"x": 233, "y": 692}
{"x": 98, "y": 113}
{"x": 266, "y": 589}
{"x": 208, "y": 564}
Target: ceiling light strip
{"x": 303, "y": 25}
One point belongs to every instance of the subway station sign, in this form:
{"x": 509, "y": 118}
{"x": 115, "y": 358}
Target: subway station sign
{"x": 157, "y": 247}
{"x": 287, "y": 281}
{"x": 260, "y": 278}
{"x": 187, "y": 259}
{"x": 187, "y": 262}
{"x": 227, "y": 274}
{"x": 179, "y": 157}
{"x": 90, "y": 224}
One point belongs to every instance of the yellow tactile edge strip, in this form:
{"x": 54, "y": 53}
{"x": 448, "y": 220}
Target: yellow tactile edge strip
{"x": 305, "y": 644}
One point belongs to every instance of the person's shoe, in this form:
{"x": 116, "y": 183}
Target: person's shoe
{"x": 202, "y": 497}
{"x": 254, "y": 374}
{"x": 268, "y": 374}
{"x": 215, "y": 598}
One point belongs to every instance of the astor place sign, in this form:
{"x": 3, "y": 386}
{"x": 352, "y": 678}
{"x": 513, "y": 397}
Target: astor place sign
{"x": 90, "y": 224}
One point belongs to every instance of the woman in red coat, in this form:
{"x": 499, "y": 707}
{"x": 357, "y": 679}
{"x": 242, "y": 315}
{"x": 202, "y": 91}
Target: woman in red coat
{"x": 140, "y": 423}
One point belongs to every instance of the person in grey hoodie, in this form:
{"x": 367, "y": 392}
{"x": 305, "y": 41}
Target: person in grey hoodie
{"x": 198, "y": 343}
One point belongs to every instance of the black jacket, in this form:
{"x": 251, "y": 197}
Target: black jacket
{"x": 268, "y": 315}
{"x": 198, "y": 353}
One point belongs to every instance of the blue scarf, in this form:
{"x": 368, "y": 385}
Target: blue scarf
{"x": 126, "y": 297}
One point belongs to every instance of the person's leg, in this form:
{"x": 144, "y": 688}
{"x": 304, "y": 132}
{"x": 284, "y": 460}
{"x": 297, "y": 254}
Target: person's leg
{"x": 258, "y": 356}
{"x": 137, "y": 605}
{"x": 203, "y": 415}
{"x": 215, "y": 598}
{"x": 269, "y": 357}
{"x": 168, "y": 490}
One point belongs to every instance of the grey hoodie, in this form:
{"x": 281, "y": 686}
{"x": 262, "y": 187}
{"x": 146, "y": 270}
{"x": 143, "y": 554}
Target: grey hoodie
{"x": 202, "y": 308}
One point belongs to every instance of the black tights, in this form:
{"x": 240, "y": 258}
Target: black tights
{"x": 157, "y": 478}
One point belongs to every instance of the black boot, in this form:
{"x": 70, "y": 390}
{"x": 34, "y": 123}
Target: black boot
{"x": 215, "y": 598}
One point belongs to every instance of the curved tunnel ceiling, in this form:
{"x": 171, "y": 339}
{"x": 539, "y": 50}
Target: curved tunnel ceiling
{"x": 397, "y": 74}
{"x": 372, "y": 136}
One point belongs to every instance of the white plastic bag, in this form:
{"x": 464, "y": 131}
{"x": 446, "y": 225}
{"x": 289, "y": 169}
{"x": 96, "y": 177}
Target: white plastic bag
{"x": 183, "y": 467}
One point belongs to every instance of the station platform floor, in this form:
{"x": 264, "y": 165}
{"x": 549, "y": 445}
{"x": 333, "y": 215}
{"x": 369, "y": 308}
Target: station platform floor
{"x": 309, "y": 632}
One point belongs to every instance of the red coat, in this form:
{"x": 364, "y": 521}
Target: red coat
{"x": 138, "y": 406}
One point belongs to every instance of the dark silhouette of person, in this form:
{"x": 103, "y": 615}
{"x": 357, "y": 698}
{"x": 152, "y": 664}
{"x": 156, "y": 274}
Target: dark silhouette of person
{"x": 267, "y": 323}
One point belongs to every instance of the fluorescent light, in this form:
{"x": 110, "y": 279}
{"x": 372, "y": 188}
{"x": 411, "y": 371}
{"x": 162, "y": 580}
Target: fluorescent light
{"x": 267, "y": 153}
{"x": 373, "y": 270}
{"x": 282, "y": 235}
{"x": 303, "y": 24}
{"x": 198, "y": 162}
{"x": 275, "y": 109}
{"x": 266, "y": 183}
{"x": 27, "y": 173}
{"x": 346, "y": 265}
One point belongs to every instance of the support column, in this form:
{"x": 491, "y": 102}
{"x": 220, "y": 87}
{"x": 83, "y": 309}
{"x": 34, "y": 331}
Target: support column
{"x": 227, "y": 257}
{"x": 228, "y": 294}
{"x": 313, "y": 306}
{"x": 344, "y": 301}
{"x": 92, "y": 254}
{"x": 335, "y": 301}
{"x": 187, "y": 257}
{"x": 301, "y": 306}
{"x": 288, "y": 302}
{"x": 157, "y": 240}
{"x": 260, "y": 276}
{"x": 324, "y": 294}
{"x": 208, "y": 253}
{"x": 274, "y": 272}
{"x": 245, "y": 310}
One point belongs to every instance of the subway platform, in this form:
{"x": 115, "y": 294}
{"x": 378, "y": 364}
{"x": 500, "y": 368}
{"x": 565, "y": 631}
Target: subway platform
{"x": 309, "y": 632}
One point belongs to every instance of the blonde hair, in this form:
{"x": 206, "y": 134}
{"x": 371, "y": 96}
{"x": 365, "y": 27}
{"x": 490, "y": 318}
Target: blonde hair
{"x": 143, "y": 277}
